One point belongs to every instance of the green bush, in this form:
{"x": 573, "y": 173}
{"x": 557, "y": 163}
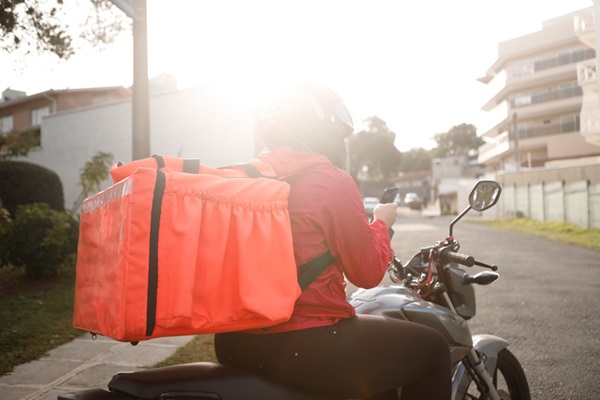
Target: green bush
{"x": 41, "y": 239}
{"x": 4, "y": 226}
{"x": 25, "y": 183}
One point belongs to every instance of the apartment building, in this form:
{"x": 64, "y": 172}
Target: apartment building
{"x": 546, "y": 120}
{"x": 587, "y": 75}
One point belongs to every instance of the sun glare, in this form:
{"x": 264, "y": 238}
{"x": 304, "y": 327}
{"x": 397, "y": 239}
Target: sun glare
{"x": 240, "y": 47}
{"x": 368, "y": 54}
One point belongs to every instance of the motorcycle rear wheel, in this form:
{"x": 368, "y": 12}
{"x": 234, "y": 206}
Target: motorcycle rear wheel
{"x": 509, "y": 379}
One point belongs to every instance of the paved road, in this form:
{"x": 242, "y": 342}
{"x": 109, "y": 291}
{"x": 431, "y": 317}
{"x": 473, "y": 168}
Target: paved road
{"x": 545, "y": 302}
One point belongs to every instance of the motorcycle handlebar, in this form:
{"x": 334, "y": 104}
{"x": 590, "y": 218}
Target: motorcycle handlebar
{"x": 462, "y": 259}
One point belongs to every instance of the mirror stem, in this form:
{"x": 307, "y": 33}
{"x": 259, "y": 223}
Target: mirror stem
{"x": 455, "y": 220}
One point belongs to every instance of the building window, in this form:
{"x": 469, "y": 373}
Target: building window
{"x": 517, "y": 69}
{"x": 524, "y": 129}
{"x": 563, "y": 58}
{"x": 565, "y": 91}
{"x": 538, "y": 96}
{"x": 37, "y": 114}
{"x": 522, "y": 99}
{"x": 6, "y": 124}
{"x": 569, "y": 123}
{"x": 570, "y": 89}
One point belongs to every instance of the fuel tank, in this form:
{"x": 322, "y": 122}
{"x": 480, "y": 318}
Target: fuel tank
{"x": 401, "y": 303}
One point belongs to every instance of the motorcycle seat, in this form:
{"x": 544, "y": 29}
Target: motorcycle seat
{"x": 203, "y": 380}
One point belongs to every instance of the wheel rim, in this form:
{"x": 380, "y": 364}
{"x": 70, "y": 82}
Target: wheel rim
{"x": 502, "y": 386}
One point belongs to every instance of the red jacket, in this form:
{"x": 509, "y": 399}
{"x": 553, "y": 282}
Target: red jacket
{"x": 327, "y": 213}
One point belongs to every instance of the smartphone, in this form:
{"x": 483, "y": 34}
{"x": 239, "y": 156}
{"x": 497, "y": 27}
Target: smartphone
{"x": 389, "y": 195}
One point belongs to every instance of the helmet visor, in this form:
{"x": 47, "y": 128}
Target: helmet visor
{"x": 343, "y": 115}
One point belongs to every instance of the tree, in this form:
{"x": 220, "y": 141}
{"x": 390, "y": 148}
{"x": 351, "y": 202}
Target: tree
{"x": 378, "y": 126}
{"x": 49, "y": 26}
{"x": 459, "y": 140}
{"x": 93, "y": 173}
{"x": 16, "y": 144}
{"x": 417, "y": 159}
{"x": 373, "y": 155}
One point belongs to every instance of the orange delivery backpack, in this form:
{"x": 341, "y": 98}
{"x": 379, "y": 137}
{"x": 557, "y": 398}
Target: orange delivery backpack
{"x": 177, "y": 248}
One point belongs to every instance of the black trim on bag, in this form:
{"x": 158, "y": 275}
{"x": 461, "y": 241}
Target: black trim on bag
{"x": 159, "y": 161}
{"x": 191, "y": 165}
{"x": 159, "y": 190}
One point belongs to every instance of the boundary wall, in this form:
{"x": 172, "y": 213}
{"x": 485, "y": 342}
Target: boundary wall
{"x": 568, "y": 194}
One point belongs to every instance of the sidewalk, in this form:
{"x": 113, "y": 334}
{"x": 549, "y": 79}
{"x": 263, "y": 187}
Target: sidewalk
{"x": 83, "y": 364}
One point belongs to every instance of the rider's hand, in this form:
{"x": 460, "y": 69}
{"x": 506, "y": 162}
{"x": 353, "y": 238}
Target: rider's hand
{"x": 386, "y": 213}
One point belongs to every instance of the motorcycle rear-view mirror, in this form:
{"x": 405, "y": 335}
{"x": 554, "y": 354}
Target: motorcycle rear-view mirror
{"x": 484, "y": 195}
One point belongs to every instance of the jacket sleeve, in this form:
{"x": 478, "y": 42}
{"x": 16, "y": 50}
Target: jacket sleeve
{"x": 361, "y": 249}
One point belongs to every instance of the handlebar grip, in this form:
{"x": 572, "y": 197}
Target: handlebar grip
{"x": 462, "y": 259}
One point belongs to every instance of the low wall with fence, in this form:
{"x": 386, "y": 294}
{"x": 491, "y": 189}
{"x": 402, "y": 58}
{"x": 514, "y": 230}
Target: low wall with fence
{"x": 570, "y": 194}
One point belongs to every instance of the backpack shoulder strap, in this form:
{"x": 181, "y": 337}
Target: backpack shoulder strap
{"x": 311, "y": 270}
{"x": 252, "y": 171}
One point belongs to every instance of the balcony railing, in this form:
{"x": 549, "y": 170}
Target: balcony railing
{"x": 500, "y": 145}
{"x": 564, "y": 60}
{"x": 532, "y": 67}
{"x": 584, "y": 23}
{"x": 590, "y": 123}
{"x": 590, "y": 128}
{"x": 587, "y": 72}
{"x": 556, "y": 129}
{"x": 547, "y": 97}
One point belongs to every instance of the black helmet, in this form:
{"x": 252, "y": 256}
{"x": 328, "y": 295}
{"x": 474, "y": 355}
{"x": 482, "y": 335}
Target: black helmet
{"x": 311, "y": 118}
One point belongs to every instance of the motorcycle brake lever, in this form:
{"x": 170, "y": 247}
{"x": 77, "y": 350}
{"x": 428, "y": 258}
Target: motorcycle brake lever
{"x": 493, "y": 267}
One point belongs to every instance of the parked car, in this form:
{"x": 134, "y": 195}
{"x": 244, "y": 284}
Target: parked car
{"x": 413, "y": 201}
{"x": 370, "y": 203}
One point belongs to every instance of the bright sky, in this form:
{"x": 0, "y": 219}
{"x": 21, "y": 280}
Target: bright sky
{"x": 413, "y": 64}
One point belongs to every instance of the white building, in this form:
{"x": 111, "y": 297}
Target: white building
{"x": 547, "y": 98}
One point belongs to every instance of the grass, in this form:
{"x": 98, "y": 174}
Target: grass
{"x": 199, "y": 349}
{"x": 557, "y": 231}
{"x": 35, "y": 317}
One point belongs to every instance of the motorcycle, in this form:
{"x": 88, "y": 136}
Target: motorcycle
{"x": 431, "y": 289}
{"x": 434, "y": 290}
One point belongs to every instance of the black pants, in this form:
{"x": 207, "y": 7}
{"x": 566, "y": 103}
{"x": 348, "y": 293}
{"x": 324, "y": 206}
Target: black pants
{"x": 361, "y": 357}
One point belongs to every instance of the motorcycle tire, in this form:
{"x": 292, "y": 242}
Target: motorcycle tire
{"x": 509, "y": 368}
{"x": 509, "y": 379}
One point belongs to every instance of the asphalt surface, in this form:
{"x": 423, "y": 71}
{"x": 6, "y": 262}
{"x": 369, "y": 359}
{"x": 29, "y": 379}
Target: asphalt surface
{"x": 545, "y": 302}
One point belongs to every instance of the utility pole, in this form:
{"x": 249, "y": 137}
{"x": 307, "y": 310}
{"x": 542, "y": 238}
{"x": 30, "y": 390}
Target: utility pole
{"x": 136, "y": 10}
